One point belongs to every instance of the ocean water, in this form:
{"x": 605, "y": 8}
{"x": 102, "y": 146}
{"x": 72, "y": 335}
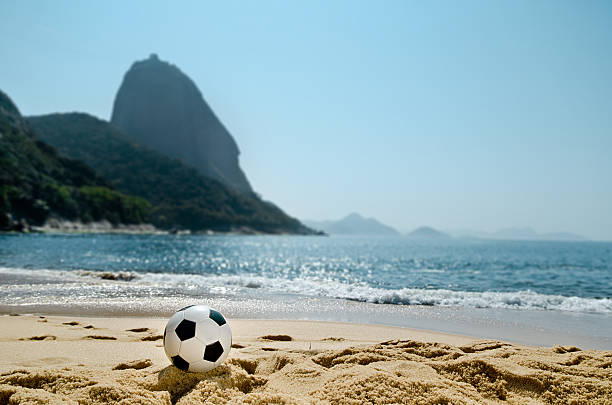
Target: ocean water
{"x": 451, "y": 285}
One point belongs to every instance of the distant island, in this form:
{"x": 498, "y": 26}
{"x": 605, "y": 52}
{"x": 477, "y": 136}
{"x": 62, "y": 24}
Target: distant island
{"x": 425, "y": 232}
{"x": 518, "y": 234}
{"x": 526, "y": 234}
{"x": 353, "y": 224}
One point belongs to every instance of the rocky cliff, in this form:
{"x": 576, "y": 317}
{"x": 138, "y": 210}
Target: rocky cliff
{"x": 160, "y": 107}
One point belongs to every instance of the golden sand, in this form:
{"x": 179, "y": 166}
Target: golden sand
{"x": 313, "y": 366}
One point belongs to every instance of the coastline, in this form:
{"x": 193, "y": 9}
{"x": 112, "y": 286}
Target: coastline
{"x": 97, "y": 359}
{"x": 525, "y": 327}
{"x": 62, "y": 226}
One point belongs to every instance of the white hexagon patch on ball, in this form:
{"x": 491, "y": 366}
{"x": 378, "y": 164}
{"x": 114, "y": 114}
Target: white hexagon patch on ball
{"x": 197, "y": 338}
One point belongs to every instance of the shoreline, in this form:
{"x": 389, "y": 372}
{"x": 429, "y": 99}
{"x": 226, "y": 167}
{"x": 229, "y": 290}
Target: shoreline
{"x": 99, "y": 359}
{"x": 107, "y": 228}
{"x": 525, "y": 327}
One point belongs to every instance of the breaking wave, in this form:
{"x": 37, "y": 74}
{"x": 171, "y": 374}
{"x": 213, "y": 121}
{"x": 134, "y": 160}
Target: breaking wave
{"x": 168, "y": 284}
{"x": 418, "y": 296}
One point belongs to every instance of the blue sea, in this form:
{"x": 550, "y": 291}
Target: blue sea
{"x": 522, "y": 291}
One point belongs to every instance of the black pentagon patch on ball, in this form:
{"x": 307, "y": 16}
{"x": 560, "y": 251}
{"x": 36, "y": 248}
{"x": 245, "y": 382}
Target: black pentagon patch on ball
{"x": 185, "y": 330}
{"x": 184, "y": 308}
{"x": 180, "y": 363}
{"x": 213, "y": 351}
{"x": 217, "y": 317}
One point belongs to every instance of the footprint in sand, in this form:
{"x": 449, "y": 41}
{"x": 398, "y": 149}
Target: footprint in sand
{"x": 42, "y": 337}
{"x": 151, "y": 338}
{"x": 269, "y": 349}
{"x": 100, "y": 337}
{"x": 277, "y": 338}
{"x": 237, "y": 346}
{"x": 565, "y": 349}
{"x": 138, "y": 330}
{"x": 89, "y": 327}
{"x": 71, "y": 323}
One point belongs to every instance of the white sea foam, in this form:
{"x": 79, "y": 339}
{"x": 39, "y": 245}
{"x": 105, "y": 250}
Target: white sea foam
{"x": 324, "y": 287}
{"x": 321, "y": 287}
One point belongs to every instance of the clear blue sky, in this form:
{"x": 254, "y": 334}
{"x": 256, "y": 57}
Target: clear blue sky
{"x": 475, "y": 115}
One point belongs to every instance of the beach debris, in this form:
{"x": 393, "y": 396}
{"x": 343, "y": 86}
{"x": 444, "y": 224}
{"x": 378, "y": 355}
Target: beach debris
{"x": 109, "y": 275}
{"x": 253, "y": 284}
{"x": 120, "y": 276}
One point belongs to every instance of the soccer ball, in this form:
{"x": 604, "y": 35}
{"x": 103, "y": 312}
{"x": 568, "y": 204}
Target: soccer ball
{"x": 197, "y": 338}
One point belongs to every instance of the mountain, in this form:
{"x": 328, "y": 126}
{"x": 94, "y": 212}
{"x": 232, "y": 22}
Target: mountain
{"x": 530, "y": 234}
{"x": 353, "y": 224}
{"x": 181, "y": 197}
{"x": 515, "y": 234}
{"x": 426, "y": 232}
{"x": 160, "y": 107}
{"x": 561, "y": 236}
{"x": 37, "y": 184}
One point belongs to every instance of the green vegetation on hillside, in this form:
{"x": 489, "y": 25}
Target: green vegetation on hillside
{"x": 36, "y": 183}
{"x": 180, "y": 196}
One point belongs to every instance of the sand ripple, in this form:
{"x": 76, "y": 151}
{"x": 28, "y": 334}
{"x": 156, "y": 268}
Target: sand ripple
{"x": 404, "y": 372}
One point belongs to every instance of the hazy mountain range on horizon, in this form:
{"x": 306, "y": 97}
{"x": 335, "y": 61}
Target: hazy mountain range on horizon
{"x": 356, "y": 224}
{"x": 426, "y": 232}
{"x": 353, "y": 224}
{"x": 524, "y": 233}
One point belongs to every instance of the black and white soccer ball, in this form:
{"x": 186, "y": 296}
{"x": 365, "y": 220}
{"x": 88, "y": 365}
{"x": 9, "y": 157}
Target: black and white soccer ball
{"x": 197, "y": 338}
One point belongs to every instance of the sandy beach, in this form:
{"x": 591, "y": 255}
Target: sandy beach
{"x": 83, "y": 360}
